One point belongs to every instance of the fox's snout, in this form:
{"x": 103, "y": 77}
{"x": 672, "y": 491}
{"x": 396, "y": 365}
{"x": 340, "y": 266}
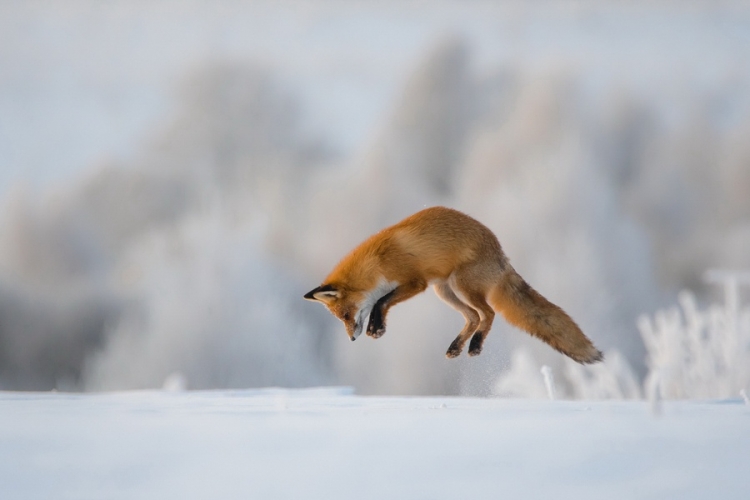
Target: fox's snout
{"x": 354, "y": 329}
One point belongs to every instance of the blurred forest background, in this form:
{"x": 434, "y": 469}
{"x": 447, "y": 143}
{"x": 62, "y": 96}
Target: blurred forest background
{"x": 175, "y": 175}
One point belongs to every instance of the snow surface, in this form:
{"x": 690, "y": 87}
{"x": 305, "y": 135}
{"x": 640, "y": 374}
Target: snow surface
{"x": 330, "y": 443}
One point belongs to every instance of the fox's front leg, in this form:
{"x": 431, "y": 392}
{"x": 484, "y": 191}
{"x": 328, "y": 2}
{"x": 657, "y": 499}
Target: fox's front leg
{"x": 376, "y": 325}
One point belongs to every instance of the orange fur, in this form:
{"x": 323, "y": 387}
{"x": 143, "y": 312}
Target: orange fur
{"x": 464, "y": 262}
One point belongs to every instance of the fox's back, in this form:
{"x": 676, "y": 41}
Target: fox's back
{"x": 442, "y": 239}
{"x": 428, "y": 245}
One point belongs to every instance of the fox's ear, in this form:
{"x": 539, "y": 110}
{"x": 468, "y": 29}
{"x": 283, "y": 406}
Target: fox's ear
{"x": 324, "y": 293}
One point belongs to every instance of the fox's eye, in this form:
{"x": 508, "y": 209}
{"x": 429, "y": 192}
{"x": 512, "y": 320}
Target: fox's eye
{"x": 346, "y": 316}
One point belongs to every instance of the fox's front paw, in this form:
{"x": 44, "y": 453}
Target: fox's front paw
{"x": 376, "y": 333}
{"x": 375, "y": 327}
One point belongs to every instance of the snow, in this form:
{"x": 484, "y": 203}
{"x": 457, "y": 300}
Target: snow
{"x": 329, "y": 443}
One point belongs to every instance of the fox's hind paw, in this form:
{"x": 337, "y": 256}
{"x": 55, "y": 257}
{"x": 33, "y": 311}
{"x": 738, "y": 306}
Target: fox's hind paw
{"x": 455, "y": 348}
{"x": 475, "y": 346}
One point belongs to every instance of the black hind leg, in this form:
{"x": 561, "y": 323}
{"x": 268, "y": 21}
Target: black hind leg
{"x": 475, "y": 346}
{"x": 455, "y": 348}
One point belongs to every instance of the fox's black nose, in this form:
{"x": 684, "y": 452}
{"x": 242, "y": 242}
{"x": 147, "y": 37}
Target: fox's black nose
{"x": 354, "y": 338}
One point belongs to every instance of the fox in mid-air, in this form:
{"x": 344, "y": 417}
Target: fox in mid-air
{"x": 462, "y": 259}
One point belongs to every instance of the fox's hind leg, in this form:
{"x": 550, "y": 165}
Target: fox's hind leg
{"x": 443, "y": 290}
{"x": 463, "y": 287}
{"x": 486, "y": 317}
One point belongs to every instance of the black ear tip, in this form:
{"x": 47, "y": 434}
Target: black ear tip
{"x": 322, "y": 288}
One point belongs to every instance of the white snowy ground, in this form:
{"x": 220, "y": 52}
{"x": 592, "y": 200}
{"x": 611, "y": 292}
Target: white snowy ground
{"x": 328, "y": 443}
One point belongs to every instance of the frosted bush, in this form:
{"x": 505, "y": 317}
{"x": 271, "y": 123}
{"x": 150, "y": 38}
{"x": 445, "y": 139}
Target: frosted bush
{"x": 612, "y": 379}
{"x": 207, "y": 312}
{"x": 523, "y": 379}
{"x": 694, "y": 353}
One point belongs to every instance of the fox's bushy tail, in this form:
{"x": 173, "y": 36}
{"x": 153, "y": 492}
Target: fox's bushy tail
{"x": 525, "y": 308}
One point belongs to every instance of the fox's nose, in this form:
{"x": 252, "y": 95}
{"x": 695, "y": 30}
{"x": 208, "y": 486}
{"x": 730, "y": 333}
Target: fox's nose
{"x": 353, "y": 338}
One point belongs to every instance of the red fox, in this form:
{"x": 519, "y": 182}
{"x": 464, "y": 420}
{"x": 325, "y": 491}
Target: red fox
{"x": 462, "y": 259}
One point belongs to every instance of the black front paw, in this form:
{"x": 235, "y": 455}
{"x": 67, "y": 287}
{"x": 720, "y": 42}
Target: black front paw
{"x": 376, "y": 327}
